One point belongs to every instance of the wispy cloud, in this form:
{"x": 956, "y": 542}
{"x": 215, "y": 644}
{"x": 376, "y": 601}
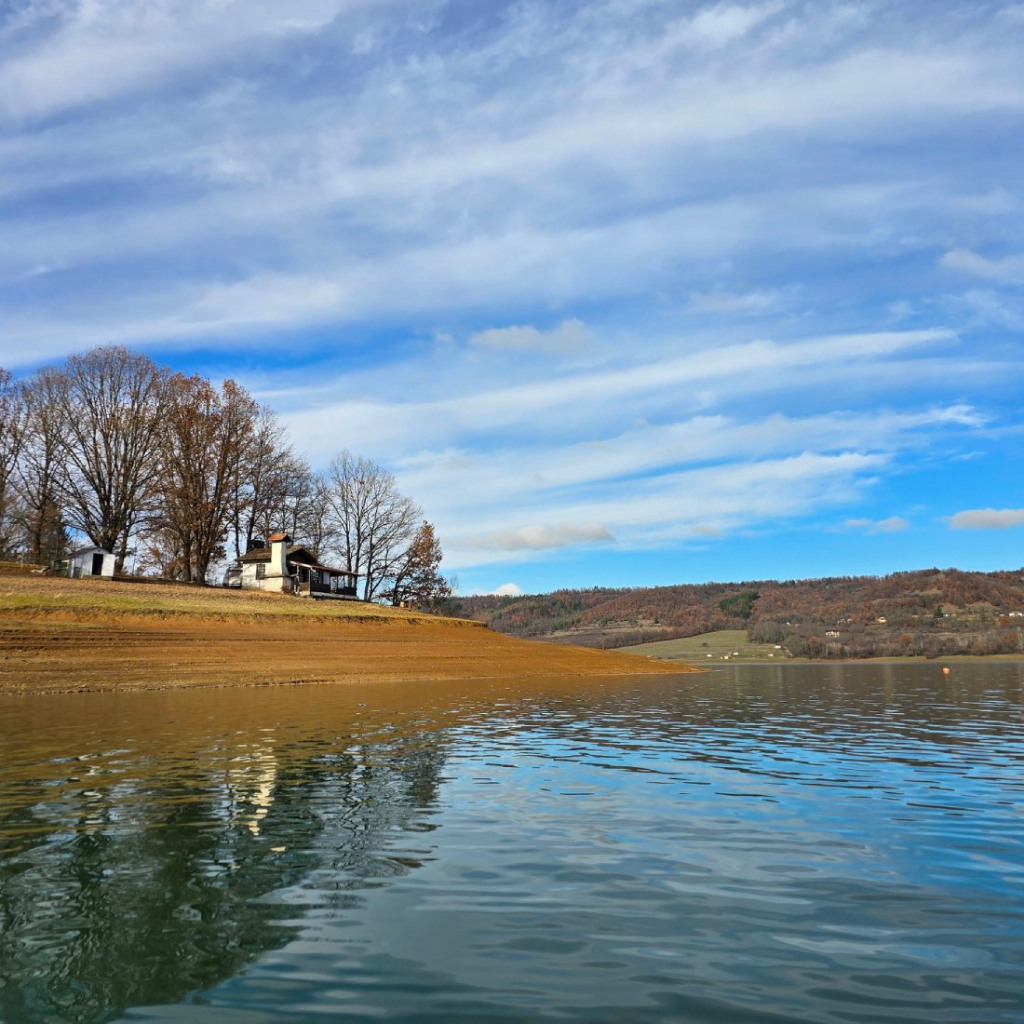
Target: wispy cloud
{"x": 893, "y": 524}
{"x": 568, "y": 336}
{"x": 1008, "y": 268}
{"x": 542, "y": 538}
{"x": 987, "y": 519}
{"x": 745, "y": 303}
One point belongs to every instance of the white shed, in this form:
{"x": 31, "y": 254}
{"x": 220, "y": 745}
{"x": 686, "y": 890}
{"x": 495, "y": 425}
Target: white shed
{"x": 90, "y": 562}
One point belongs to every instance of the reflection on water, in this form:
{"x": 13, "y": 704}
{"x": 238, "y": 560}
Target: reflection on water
{"x": 759, "y": 843}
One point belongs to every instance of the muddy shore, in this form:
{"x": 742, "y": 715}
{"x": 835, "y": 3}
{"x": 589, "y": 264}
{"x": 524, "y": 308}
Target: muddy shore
{"x": 60, "y": 635}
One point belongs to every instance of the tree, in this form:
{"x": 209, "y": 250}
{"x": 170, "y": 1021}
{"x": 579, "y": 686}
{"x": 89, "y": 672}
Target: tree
{"x": 41, "y": 469}
{"x": 260, "y": 481}
{"x": 302, "y": 507}
{"x": 12, "y": 422}
{"x": 416, "y": 579}
{"x": 204, "y": 433}
{"x": 112, "y": 402}
{"x": 372, "y": 523}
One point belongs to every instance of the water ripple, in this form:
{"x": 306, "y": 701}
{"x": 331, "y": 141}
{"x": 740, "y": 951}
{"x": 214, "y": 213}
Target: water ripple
{"x": 785, "y": 843}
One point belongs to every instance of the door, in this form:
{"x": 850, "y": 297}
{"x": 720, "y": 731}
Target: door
{"x": 97, "y": 564}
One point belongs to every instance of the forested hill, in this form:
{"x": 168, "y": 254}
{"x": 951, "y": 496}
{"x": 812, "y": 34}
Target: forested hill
{"x": 930, "y": 612}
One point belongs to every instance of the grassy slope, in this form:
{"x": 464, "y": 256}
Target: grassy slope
{"x": 96, "y": 599}
{"x": 730, "y": 644}
{"x": 60, "y": 635}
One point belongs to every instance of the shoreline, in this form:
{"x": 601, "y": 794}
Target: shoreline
{"x": 74, "y": 636}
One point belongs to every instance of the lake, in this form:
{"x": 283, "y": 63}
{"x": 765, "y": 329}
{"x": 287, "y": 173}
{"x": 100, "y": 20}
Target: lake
{"x": 762, "y": 844}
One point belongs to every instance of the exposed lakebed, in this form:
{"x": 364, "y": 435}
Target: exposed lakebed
{"x": 754, "y": 844}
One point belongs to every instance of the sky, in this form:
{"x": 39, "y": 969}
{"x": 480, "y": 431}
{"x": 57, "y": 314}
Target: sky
{"x": 624, "y": 292}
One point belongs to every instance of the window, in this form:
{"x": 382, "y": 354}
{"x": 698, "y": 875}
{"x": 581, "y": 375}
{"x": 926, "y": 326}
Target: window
{"x": 261, "y": 570}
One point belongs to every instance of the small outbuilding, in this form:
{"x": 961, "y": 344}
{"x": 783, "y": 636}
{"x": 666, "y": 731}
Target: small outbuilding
{"x": 91, "y": 561}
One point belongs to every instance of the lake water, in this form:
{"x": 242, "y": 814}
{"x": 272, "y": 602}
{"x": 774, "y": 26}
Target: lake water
{"x": 754, "y": 844}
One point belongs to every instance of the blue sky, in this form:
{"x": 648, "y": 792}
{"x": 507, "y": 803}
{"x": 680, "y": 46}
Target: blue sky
{"x": 626, "y": 292}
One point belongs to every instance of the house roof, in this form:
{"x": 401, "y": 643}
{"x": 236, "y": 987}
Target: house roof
{"x": 297, "y": 555}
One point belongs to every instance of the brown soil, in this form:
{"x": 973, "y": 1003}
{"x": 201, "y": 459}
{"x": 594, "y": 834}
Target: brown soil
{"x": 70, "y": 635}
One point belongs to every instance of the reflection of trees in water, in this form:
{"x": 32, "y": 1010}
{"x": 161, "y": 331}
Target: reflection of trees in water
{"x": 116, "y": 894}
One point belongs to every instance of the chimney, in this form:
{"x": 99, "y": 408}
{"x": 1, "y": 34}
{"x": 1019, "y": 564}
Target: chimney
{"x": 278, "y": 550}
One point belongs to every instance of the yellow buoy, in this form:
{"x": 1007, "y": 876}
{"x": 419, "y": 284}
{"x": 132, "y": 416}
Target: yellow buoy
{"x": 945, "y": 670}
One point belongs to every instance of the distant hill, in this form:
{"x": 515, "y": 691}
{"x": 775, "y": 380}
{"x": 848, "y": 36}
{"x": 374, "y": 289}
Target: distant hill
{"x": 930, "y": 612}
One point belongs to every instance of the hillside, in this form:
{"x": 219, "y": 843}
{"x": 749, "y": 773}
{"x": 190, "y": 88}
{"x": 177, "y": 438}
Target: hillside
{"x": 930, "y": 612}
{"x": 69, "y": 635}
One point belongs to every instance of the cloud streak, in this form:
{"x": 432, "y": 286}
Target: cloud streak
{"x": 539, "y": 537}
{"x": 987, "y": 519}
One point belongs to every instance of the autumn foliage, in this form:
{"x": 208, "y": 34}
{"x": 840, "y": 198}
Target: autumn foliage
{"x": 931, "y": 612}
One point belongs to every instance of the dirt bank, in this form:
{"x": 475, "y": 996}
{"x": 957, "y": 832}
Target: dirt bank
{"x": 61, "y": 635}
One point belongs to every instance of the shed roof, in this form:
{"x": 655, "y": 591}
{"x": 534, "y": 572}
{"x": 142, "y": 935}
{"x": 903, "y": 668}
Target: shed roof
{"x": 91, "y": 549}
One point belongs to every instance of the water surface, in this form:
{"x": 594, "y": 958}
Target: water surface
{"x": 754, "y": 844}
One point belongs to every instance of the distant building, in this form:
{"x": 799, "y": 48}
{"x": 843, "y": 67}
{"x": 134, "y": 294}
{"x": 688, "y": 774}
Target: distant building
{"x": 291, "y": 570}
{"x": 91, "y": 561}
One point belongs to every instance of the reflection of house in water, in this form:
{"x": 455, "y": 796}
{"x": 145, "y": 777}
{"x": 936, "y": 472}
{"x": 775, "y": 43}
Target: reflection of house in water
{"x": 251, "y": 781}
{"x": 290, "y": 569}
{"x": 139, "y": 885}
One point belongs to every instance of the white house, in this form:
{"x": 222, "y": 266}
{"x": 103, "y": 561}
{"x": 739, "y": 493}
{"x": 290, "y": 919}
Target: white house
{"x": 90, "y": 561}
{"x": 293, "y": 570}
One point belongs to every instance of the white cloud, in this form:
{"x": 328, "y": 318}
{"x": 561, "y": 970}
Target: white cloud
{"x": 894, "y": 524}
{"x": 745, "y": 304}
{"x": 987, "y": 519}
{"x": 508, "y": 590}
{"x": 1009, "y": 268}
{"x": 568, "y": 336}
{"x": 997, "y": 202}
{"x": 542, "y": 538}
{"x": 432, "y": 175}
{"x": 385, "y": 413}
{"x": 108, "y": 48}
{"x": 724, "y": 22}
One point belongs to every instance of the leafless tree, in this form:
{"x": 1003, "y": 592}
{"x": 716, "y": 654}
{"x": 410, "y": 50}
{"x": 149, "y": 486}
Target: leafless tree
{"x": 112, "y": 402}
{"x": 12, "y": 431}
{"x": 260, "y": 482}
{"x": 41, "y": 479}
{"x": 302, "y": 508}
{"x": 373, "y": 524}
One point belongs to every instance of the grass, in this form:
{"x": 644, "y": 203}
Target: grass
{"x": 104, "y": 600}
{"x": 59, "y": 635}
{"x": 722, "y": 645}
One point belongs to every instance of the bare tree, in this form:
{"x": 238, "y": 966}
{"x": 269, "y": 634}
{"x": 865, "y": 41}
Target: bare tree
{"x": 204, "y": 434}
{"x": 113, "y": 402}
{"x": 260, "y": 482}
{"x": 41, "y": 468}
{"x": 12, "y": 424}
{"x": 302, "y": 508}
{"x": 373, "y": 523}
{"x": 314, "y": 525}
